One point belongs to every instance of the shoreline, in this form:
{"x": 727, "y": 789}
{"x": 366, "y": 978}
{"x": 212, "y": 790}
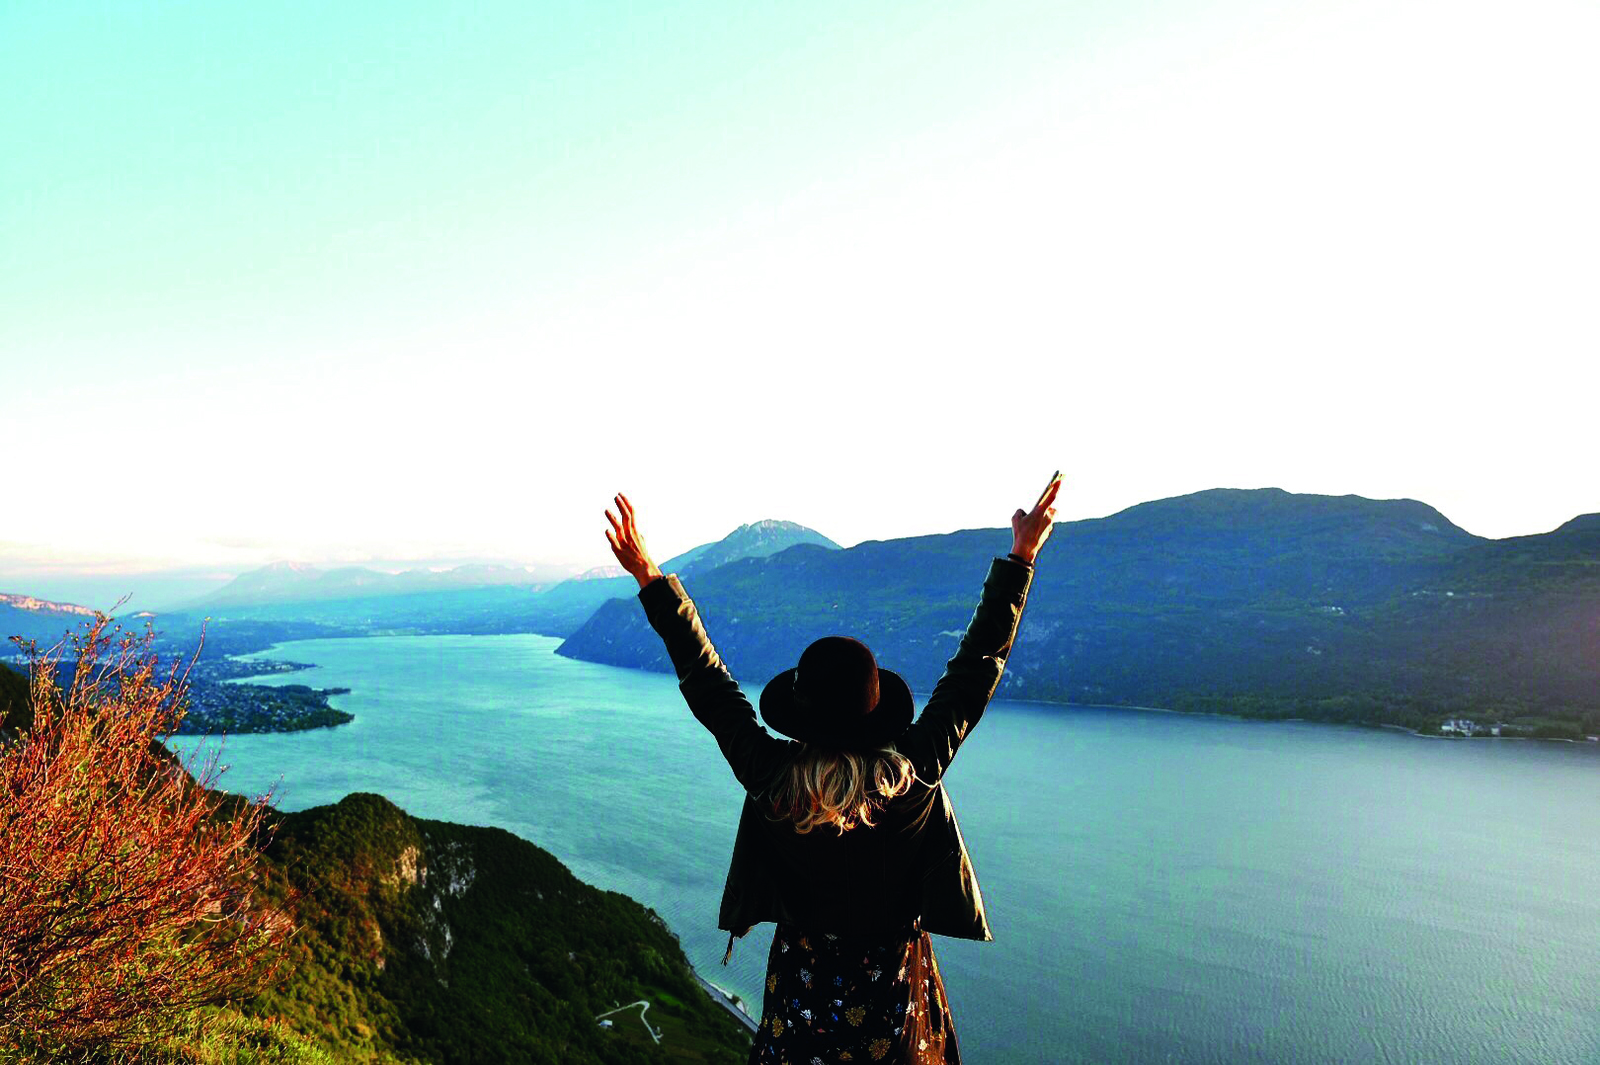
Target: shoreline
{"x": 725, "y": 999}
{"x": 287, "y": 667}
{"x": 227, "y": 696}
{"x": 1029, "y": 701}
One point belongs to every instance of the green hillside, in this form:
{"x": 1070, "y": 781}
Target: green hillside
{"x": 15, "y": 714}
{"x": 447, "y": 943}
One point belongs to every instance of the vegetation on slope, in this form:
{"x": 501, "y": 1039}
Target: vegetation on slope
{"x": 125, "y": 882}
{"x": 15, "y": 713}
{"x": 436, "y": 942}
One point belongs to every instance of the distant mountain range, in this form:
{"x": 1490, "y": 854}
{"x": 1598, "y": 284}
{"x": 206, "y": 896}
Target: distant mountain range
{"x": 36, "y": 619}
{"x": 300, "y": 583}
{"x": 560, "y": 610}
{"x": 295, "y": 582}
{"x": 1258, "y": 601}
{"x": 356, "y": 599}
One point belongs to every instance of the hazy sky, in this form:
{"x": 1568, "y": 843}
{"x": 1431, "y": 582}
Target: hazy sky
{"x": 431, "y": 281}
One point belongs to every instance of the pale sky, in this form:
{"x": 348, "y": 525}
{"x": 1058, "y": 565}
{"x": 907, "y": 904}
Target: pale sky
{"x": 305, "y": 281}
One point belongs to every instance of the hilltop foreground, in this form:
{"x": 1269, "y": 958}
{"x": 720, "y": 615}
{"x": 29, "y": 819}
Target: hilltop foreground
{"x": 422, "y": 941}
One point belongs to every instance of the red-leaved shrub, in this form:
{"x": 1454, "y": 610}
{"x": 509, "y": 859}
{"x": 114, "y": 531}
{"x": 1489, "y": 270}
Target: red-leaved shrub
{"x": 126, "y": 881}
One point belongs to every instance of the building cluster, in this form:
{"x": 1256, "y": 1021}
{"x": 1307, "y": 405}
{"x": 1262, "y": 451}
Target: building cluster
{"x": 237, "y": 708}
{"x": 1461, "y": 726}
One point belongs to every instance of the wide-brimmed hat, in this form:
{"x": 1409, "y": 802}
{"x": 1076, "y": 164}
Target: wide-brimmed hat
{"x": 838, "y": 696}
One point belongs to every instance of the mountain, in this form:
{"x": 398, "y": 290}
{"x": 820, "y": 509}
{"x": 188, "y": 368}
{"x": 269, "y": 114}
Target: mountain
{"x": 1247, "y": 601}
{"x": 756, "y": 540}
{"x": 556, "y": 610}
{"x": 295, "y": 582}
{"x": 601, "y": 573}
{"x": 1513, "y": 620}
{"x": 369, "y": 601}
{"x": 562, "y": 609}
{"x": 276, "y": 582}
{"x": 438, "y": 942}
{"x": 36, "y": 619}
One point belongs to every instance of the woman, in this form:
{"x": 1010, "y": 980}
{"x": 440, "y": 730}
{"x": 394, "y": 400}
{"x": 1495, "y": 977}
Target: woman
{"x": 847, "y": 838}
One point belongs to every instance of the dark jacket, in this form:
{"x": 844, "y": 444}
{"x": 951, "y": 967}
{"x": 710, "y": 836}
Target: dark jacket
{"x": 912, "y": 863}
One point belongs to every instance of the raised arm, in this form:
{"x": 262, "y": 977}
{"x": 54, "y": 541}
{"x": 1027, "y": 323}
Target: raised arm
{"x": 711, "y": 692}
{"x": 971, "y": 677}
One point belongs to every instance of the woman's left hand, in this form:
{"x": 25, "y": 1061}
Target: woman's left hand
{"x": 1031, "y": 528}
{"x": 627, "y": 543}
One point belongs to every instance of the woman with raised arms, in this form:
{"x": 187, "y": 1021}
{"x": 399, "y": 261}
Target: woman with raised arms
{"x": 847, "y": 838}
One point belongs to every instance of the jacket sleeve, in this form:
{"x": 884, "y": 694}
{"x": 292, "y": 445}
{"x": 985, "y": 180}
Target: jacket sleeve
{"x": 711, "y": 692}
{"x": 970, "y": 678}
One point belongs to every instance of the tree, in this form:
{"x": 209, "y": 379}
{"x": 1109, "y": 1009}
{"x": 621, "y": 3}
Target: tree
{"x": 126, "y": 881}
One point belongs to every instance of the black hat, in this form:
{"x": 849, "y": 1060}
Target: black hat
{"x": 838, "y": 697}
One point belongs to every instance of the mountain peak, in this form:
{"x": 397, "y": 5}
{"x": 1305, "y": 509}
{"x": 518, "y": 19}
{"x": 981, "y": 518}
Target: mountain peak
{"x": 1275, "y": 511}
{"x": 770, "y": 524}
{"x": 756, "y": 539}
{"x": 287, "y": 567}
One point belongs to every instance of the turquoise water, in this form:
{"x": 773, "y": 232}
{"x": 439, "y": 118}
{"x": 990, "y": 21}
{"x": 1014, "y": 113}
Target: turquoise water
{"x": 1162, "y": 887}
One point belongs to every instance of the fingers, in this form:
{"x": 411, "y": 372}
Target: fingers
{"x": 1051, "y": 490}
{"x": 615, "y": 524}
{"x": 611, "y": 539}
{"x": 625, "y": 506}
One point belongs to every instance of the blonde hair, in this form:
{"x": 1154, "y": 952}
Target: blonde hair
{"x": 839, "y": 788}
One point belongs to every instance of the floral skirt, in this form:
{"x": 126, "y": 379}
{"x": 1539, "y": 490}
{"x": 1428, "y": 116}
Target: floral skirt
{"x": 835, "y": 998}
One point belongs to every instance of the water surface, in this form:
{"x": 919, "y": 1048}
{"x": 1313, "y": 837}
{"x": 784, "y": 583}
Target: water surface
{"x": 1162, "y": 887}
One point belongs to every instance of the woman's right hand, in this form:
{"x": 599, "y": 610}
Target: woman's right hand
{"x": 1031, "y": 528}
{"x": 627, "y": 543}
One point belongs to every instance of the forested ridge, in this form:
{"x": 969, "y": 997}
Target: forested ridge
{"x": 1259, "y": 602}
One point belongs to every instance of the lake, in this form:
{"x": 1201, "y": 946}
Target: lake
{"x": 1162, "y": 887}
